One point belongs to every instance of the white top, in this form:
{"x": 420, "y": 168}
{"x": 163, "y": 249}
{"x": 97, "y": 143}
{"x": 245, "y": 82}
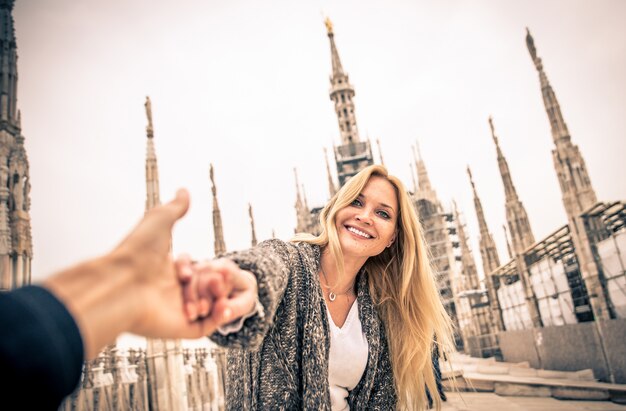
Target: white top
{"x": 347, "y": 358}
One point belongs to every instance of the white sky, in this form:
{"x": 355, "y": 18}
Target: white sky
{"x": 245, "y": 85}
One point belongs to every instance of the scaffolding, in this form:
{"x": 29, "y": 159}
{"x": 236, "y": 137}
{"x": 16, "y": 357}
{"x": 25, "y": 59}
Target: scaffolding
{"x": 510, "y": 292}
{"x": 606, "y": 227}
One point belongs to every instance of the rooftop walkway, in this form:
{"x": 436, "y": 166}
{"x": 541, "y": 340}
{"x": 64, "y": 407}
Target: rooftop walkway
{"x": 489, "y": 385}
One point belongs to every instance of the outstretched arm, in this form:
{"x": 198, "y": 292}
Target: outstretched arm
{"x": 48, "y": 330}
{"x": 248, "y": 284}
{"x": 133, "y": 289}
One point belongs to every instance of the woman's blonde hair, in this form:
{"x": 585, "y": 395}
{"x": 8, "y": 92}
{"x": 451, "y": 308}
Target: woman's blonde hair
{"x": 402, "y": 284}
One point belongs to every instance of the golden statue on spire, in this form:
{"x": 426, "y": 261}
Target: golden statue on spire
{"x": 329, "y": 25}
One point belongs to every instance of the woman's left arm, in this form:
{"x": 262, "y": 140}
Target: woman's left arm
{"x": 248, "y": 283}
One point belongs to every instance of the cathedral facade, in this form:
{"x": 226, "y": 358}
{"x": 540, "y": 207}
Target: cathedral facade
{"x": 16, "y": 247}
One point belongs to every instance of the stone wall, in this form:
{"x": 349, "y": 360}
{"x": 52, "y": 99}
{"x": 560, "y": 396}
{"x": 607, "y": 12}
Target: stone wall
{"x": 518, "y": 346}
{"x": 614, "y": 333}
{"x": 571, "y": 348}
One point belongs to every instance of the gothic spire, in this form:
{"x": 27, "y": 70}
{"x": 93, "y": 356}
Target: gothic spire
{"x": 380, "y": 152}
{"x": 578, "y": 193}
{"x": 470, "y": 273}
{"x": 8, "y": 68}
{"x": 167, "y": 353}
{"x": 413, "y": 177}
{"x": 519, "y": 226}
{"x": 299, "y": 203}
{"x": 557, "y": 124}
{"x": 424, "y": 188}
{"x": 488, "y": 250}
{"x": 489, "y": 256}
{"x": 342, "y": 94}
{"x": 332, "y": 190}
{"x": 576, "y": 189}
{"x": 336, "y": 61}
{"x": 219, "y": 246}
{"x": 509, "y": 189}
{"x": 508, "y": 243}
{"x": 422, "y": 175}
{"x": 152, "y": 172}
{"x": 302, "y": 211}
{"x": 306, "y": 202}
{"x": 254, "y": 241}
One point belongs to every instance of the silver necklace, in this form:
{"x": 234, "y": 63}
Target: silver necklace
{"x": 331, "y": 294}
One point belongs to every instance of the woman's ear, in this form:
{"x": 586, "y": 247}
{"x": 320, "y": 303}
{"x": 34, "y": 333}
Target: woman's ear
{"x": 393, "y": 238}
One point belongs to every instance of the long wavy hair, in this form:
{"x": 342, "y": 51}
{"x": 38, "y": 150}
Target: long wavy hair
{"x": 403, "y": 287}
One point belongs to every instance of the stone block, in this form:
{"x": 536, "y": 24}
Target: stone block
{"x": 553, "y": 374}
{"x": 521, "y": 390}
{"x": 449, "y": 374}
{"x": 584, "y": 375}
{"x": 479, "y": 385}
{"x": 459, "y": 384}
{"x": 499, "y": 369}
{"x": 574, "y": 393}
{"x": 523, "y": 372}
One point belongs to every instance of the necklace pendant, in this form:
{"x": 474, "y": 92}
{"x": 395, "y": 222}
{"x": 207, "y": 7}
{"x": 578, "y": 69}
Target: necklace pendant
{"x": 332, "y": 296}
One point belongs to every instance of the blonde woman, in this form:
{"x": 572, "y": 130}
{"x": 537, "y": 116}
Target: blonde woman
{"x": 349, "y": 319}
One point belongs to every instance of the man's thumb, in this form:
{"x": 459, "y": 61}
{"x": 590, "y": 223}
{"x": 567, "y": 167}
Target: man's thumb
{"x": 179, "y": 205}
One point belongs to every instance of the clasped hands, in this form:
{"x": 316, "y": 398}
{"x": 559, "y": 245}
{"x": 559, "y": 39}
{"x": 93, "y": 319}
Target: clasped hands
{"x": 178, "y": 298}
{"x": 217, "y": 291}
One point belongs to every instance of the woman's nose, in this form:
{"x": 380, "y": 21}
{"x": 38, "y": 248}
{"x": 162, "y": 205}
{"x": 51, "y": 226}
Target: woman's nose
{"x": 364, "y": 217}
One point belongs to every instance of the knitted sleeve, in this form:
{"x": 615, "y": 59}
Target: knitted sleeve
{"x": 272, "y": 262}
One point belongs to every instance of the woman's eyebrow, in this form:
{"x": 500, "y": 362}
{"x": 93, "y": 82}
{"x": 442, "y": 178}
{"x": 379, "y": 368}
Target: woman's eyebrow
{"x": 382, "y": 204}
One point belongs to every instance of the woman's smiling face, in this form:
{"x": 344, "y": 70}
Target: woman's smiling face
{"x": 368, "y": 225}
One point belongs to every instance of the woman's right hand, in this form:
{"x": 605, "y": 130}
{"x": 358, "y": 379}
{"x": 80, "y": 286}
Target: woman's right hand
{"x": 216, "y": 289}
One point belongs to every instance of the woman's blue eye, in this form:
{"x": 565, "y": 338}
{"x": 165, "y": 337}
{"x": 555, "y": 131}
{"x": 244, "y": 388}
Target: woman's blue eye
{"x": 355, "y": 202}
{"x": 384, "y": 214}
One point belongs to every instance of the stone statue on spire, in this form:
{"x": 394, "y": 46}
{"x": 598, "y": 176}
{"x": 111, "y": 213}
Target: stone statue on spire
{"x": 149, "y": 129}
{"x": 380, "y": 152}
{"x": 332, "y": 190}
{"x": 219, "y": 246}
{"x": 493, "y": 130}
{"x": 530, "y": 43}
{"x": 254, "y": 240}
{"x": 212, "y": 178}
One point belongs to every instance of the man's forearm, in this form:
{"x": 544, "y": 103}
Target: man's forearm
{"x": 99, "y": 295}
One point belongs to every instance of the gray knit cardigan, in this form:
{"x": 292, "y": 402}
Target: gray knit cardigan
{"x": 279, "y": 359}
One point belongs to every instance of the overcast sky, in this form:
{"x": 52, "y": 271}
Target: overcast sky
{"x": 244, "y": 85}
